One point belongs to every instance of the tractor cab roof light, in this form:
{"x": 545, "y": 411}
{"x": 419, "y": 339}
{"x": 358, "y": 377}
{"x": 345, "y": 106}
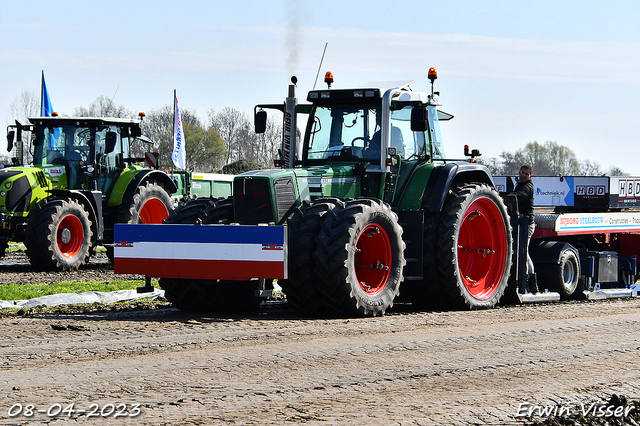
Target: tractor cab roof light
{"x": 328, "y": 78}
{"x": 433, "y": 74}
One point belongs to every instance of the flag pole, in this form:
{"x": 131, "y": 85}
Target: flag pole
{"x": 41, "y": 93}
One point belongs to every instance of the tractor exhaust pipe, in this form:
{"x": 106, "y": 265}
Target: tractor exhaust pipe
{"x": 290, "y": 140}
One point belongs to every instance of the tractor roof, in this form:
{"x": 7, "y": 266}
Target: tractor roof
{"x": 59, "y": 121}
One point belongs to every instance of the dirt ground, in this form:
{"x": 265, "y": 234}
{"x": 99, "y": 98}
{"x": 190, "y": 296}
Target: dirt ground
{"x": 512, "y": 365}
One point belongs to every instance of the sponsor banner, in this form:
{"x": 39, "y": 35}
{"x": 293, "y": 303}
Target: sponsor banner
{"x": 597, "y": 222}
{"x": 563, "y": 191}
{"x": 553, "y": 191}
{"x": 625, "y": 192}
{"x": 238, "y": 252}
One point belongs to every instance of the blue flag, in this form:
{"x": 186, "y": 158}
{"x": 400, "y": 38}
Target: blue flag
{"x": 45, "y": 103}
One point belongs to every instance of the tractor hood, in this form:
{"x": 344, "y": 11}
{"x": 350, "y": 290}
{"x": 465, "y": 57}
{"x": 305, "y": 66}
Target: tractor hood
{"x": 266, "y": 196}
{"x": 22, "y": 187}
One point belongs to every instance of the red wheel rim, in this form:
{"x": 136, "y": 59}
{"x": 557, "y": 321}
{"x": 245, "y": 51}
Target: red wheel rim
{"x": 70, "y": 235}
{"x": 373, "y": 259}
{"x": 153, "y": 211}
{"x": 482, "y": 248}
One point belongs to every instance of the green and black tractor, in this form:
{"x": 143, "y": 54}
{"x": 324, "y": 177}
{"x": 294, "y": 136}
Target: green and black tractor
{"x": 372, "y": 207}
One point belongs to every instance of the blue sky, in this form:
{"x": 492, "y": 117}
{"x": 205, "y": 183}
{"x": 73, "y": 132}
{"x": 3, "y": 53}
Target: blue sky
{"x": 510, "y": 72}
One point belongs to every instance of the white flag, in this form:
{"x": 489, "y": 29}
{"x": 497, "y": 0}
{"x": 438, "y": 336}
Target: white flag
{"x": 179, "y": 153}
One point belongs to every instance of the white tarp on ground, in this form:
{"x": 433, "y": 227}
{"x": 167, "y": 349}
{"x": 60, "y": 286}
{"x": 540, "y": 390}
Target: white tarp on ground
{"x": 86, "y": 297}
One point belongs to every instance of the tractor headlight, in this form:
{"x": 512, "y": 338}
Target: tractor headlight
{"x": 7, "y": 185}
{"x": 2, "y": 193}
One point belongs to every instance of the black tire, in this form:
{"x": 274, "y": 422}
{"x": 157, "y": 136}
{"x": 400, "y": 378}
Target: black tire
{"x": 3, "y": 248}
{"x": 203, "y": 211}
{"x": 211, "y": 295}
{"x": 563, "y": 276}
{"x": 58, "y": 235}
{"x": 219, "y": 212}
{"x": 474, "y": 247}
{"x": 150, "y": 204}
{"x": 427, "y": 293}
{"x": 301, "y": 288}
{"x": 190, "y": 212}
{"x": 345, "y": 259}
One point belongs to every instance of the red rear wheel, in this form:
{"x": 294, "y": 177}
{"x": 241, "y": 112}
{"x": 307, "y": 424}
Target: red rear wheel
{"x": 482, "y": 240}
{"x": 153, "y": 211}
{"x": 474, "y": 247}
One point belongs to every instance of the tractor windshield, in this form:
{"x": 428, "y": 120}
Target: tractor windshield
{"x": 57, "y": 145}
{"x": 347, "y": 134}
{"x": 75, "y": 147}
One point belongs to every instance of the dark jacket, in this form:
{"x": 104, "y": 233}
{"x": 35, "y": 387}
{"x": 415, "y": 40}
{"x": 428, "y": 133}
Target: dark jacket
{"x": 524, "y": 192}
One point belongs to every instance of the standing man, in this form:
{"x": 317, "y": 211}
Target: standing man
{"x": 524, "y": 192}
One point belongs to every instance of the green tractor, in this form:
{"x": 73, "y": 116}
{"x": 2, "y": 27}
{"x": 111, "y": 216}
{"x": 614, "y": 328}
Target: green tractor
{"x": 364, "y": 207}
{"x": 81, "y": 181}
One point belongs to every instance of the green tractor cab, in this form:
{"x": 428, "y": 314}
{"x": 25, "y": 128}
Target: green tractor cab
{"x": 81, "y": 181}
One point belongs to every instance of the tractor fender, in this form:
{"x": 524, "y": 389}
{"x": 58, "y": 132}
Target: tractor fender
{"x": 131, "y": 179}
{"x": 448, "y": 177}
{"x": 92, "y": 203}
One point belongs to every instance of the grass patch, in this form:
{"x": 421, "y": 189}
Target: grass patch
{"x": 30, "y": 291}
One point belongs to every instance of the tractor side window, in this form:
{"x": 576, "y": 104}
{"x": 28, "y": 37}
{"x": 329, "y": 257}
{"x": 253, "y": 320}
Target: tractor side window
{"x": 407, "y": 143}
{"x": 53, "y": 144}
{"x": 108, "y": 154}
{"x": 108, "y": 160}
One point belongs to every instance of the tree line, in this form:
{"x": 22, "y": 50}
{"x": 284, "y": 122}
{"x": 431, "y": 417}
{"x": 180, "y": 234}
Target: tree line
{"x": 226, "y": 141}
{"x": 547, "y": 159}
{"x": 220, "y": 142}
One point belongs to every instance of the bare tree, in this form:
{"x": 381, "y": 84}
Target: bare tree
{"x": 231, "y": 124}
{"x": 616, "y": 171}
{"x": 22, "y": 107}
{"x": 590, "y": 168}
{"x": 103, "y": 107}
{"x": 205, "y": 149}
{"x": 240, "y": 139}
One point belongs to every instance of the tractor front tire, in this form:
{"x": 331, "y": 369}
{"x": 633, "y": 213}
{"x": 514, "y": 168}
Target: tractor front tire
{"x": 359, "y": 259}
{"x": 301, "y": 288}
{"x": 203, "y": 211}
{"x": 58, "y": 235}
{"x": 474, "y": 247}
{"x": 208, "y": 295}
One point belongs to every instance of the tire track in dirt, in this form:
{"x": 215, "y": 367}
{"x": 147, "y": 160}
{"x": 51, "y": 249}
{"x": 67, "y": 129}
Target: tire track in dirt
{"x": 404, "y": 368}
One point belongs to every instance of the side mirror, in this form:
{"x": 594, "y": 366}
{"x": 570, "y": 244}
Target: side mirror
{"x": 10, "y": 136}
{"x": 110, "y": 141}
{"x": 135, "y": 131}
{"x": 260, "y": 121}
{"x": 418, "y": 119}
